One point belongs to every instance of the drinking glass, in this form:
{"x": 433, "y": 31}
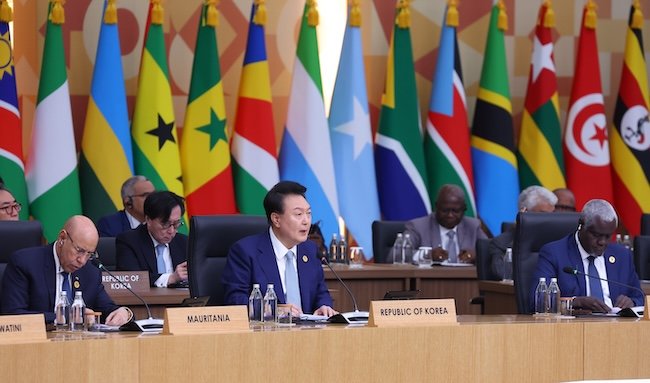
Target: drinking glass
{"x": 356, "y": 257}
{"x": 425, "y": 256}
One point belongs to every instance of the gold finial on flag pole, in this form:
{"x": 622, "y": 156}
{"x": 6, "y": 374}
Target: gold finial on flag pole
{"x": 502, "y": 22}
{"x": 110, "y": 14}
{"x": 403, "y": 19}
{"x": 549, "y": 16}
{"x": 637, "y": 16}
{"x": 312, "y": 13}
{"x": 57, "y": 14}
{"x": 157, "y": 12}
{"x": 6, "y": 13}
{"x": 452, "y": 14}
{"x": 260, "y": 12}
{"x": 591, "y": 16}
{"x": 211, "y": 13}
{"x": 355, "y": 14}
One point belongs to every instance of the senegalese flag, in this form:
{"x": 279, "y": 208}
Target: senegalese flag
{"x": 12, "y": 168}
{"x": 205, "y": 154}
{"x": 106, "y": 159}
{"x": 253, "y": 147}
{"x": 155, "y": 141}
{"x": 306, "y": 151}
{"x": 446, "y": 144}
{"x": 540, "y": 139}
{"x": 630, "y": 136}
{"x": 351, "y": 135}
{"x": 399, "y": 153}
{"x": 52, "y": 178}
{"x": 493, "y": 157}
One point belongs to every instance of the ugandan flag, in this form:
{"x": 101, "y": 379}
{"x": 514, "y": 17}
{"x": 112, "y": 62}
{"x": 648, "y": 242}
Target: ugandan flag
{"x": 630, "y": 136}
{"x": 205, "y": 153}
{"x": 540, "y": 140}
{"x": 493, "y": 158}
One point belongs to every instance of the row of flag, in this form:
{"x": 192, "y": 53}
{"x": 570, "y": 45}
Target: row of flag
{"x": 396, "y": 177}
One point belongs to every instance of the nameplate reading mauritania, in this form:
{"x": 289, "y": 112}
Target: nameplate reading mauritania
{"x": 412, "y": 312}
{"x": 22, "y": 328}
{"x": 200, "y": 320}
{"x": 137, "y": 281}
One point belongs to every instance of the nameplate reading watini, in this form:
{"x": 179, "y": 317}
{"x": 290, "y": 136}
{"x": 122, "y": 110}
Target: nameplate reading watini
{"x": 137, "y": 281}
{"x": 26, "y": 328}
{"x": 412, "y": 312}
{"x": 199, "y": 320}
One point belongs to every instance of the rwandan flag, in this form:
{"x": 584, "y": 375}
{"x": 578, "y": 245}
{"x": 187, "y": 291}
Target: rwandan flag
{"x": 52, "y": 178}
{"x": 255, "y": 162}
{"x": 630, "y": 135}
{"x": 399, "y": 154}
{"x": 155, "y": 142}
{"x": 306, "y": 152}
{"x": 493, "y": 157}
{"x": 106, "y": 159}
{"x": 207, "y": 176}
{"x": 446, "y": 144}
{"x": 12, "y": 168}
{"x": 351, "y": 136}
{"x": 540, "y": 140}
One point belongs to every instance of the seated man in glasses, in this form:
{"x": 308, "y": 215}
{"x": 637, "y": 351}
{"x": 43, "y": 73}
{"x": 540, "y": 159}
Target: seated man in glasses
{"x": 134, "y": 191}
{"x": 447, "y": 230}
{"x": 35, "y": 277}
{"x": 9, "y": 208}
{"x": 156, "y": 246}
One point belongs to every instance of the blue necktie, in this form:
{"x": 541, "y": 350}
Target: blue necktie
{"x": 451, "y": 247}
{"x": 594, "y": 284}
{"x": 66, "y": 284}
{"x": 291, "y": 280}
{"x": 160, "y": 259}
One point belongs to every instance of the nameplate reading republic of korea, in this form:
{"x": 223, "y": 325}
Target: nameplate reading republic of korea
{"x": 27, "y": 328}
{"x": 412, "y": 312}
{"x": 137, "y": 281}
{"x": 199, "y": 320}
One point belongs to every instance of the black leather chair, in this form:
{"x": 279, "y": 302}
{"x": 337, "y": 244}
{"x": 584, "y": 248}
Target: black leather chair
{"x": 484, "y": 261}
{"x": 107, "y": 252}
{"x": 533, "y": 231}
{"x": 645, "y": 224}
{"x": 642, "y": 256}
{"x": 209, "y": 242}
{"x": 16, "y": 235}
{"x": 383, "y": 238}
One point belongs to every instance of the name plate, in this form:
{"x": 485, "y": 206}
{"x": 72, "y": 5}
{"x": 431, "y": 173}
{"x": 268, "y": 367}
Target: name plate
{"x": 412, "y": 312}
{"x": 200, "y": 320}
{"x": 137, "y": 281}
{"x": 26, "y": 328}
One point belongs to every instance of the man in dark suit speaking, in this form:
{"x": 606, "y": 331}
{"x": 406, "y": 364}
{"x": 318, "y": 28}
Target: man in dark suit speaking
{"x": 35, "y": 276}
{"x": 282, "y": 256}
{"x": 156, "y": 246}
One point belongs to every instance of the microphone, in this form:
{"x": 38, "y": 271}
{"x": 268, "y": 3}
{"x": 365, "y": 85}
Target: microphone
{"x": 150, "y": 324}
{"x": 355, "y": 316}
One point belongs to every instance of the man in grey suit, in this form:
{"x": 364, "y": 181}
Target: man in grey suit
{"x": 447, "y": 230}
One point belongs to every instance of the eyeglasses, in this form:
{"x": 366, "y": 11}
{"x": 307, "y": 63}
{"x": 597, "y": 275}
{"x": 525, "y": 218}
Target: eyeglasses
{"x": 14, "y": 206}
{"x": 81, "y": 252}
{"x": 168, "y": 225}
{"x": 143, "y": 195}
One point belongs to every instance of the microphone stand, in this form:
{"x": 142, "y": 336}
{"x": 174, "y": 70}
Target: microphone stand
{"x": 355, "y": 316}
{"x": 150, "y": 324}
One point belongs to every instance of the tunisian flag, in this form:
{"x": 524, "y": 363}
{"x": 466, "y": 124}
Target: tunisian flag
{"x": 586, "y": 147}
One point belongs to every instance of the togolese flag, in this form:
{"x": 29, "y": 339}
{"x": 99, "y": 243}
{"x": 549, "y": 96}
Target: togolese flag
{"x": 12, "y": 168}
{"x": 493, "y": 157}
{"x": 207, "y": 176}
{"x": 52, "y": 178}
{"x": 630, "y": 136}
{"x": 446, "y": 144}
{"x": 399, "y": 153}
{"x": 540, "y": 139}
{"x": 106, "y": 159}
{"x": 255, "y": 163}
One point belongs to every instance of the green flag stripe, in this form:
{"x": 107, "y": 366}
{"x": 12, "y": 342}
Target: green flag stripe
{"x": 249, "y": 202}
{"x": 307, "y": 51}
{"x": 95, "y": 200}
{"x": 156, "y": 46}
{"x": 66, "y": 194}
{"x": 494, "y": 75}
{"x": 55, "y": 74}
{"x": 206, "y": 71}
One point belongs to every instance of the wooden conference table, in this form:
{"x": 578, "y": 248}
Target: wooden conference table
{"x": 370, "y": 282}
{"x": 479, "y": 349}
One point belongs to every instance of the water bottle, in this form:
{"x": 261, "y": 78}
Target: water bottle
{"x": 343, "y": 251}
{"x": 541, "y": 297}
{"x": 554, "y": 297}
{"x": 507, "y": 265}
{"x": 396, "y": 250}
{"x": 62, "y": 312}
{"x": 619, "y": 239}
{"x": 407, "y": 249}
{"x": 255, "y": 305}
{"x": 270, "y": 304}
{"x": 627, "y": 242}
{"x": 77, "y": 312}
{"x": 334, "y": 249}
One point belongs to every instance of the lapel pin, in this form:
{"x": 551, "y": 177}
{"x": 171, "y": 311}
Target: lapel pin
{"x": 612, "y": 259}
{"x": 76, "y": 284}
{"x": 304, "y": 258}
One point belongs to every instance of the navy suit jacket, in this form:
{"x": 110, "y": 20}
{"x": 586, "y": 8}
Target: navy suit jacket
{"x": 29, "y": 284}
{"x": 135, "y": 252}
{"x": 113, "y": 224}
{"x": 555, "y": 256}
{"x": 252, "y": 260}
